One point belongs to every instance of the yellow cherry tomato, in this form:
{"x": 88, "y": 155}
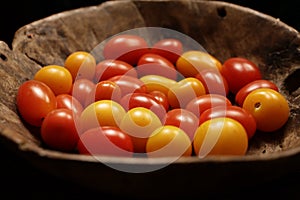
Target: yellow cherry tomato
{"x": 157, "y": 83}
{"x": 184, "y": 91}
{"x": 169, "y": 141}
{"x": 269, "y": 108}
{"x": 191, "y": 63}
{"x": 101, "y": 113}
{"x": 220, "y": 136}
{"x": 139, "y": 123}
{"x": 56, "y": 77}
{"x": 81, "y": 64}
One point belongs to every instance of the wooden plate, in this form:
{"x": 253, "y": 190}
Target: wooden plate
{"x": 223, "y": 29}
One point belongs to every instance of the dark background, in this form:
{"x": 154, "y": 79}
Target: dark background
{"x": 19, "y": 179}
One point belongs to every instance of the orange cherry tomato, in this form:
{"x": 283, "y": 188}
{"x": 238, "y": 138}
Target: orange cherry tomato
{"x": 58, "y": 78}
{"x": 168, "y": 141}
{"x": 81, "y": 64}
{"x": 220, "y": 136}
{"x": 269, "y": 108}
{"x": 191, "y": 63}
{"x": 184, "y": 91}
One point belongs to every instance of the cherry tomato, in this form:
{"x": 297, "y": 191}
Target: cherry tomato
{"x": 81, "y": 64}
{"x": 157, "y": 83}
{"x": 139, "y": 123}
{"x": 82, "y": 89}
{"x": 168, "y": 48}
{"x": 239, "y": 114}
{"x": 109, "y": 68}
{"x": 168, "y": 141}
{"x": 269, "y": 108}
{"x": 191, "y": 63}
{"x": 244, "y": 91}
{"x": 184, "y": 91}
{"x": 161, "y": 98}
{"x": 125, "y": 47}
{"x": 220, "y": 136}
{"x": 105, "y": 140}
{"x": 213, "y": 81}
{"x": 105, "y": 90}
{"x": 70, "y": 102}
{"x": 129, "y": 84}
{"x": 199, "y": 104}
{"x": 58, "y": 130}
{"x": 58, "y": 78}
{"x": 238, "y": 72}
{"x": 101, "y": 113}
{"x": 184, "y": 119}
{"x": 145, "y": 100}
{"x": 34, "y": 101}
{"x": 155, "y": 64}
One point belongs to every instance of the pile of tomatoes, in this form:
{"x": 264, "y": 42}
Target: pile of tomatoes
{"x": 153, "y": 101}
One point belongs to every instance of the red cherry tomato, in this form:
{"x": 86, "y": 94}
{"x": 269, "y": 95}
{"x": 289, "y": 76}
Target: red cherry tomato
{"x": 145, "y": 100}
{"x": 238, "y": 72}
{"x": 213, "y": 81}
{"x": 82, "y": 89}
{"x": 234, "y": 112}
{"x": 58, "y": 130}
{"x": 161, "y": 98}
{"x": 105, "y": 90}
{"x": 155, "y": 64}
{"x": 129, "y": 84}
{"x": 34, "y": 101}
{"x": 70, "y": 102}
{"x": 109, "y": 68}
{"x": 244, "y": 91}
{"x": 183, "y": 119}
{"x": 105, "y": 140}
{"x": 168, "y": 48}
{"x": 125, "y": 47}
{"x": 199, "y": 104}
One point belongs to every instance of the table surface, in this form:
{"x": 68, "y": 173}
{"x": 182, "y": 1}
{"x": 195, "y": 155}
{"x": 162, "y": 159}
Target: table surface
{"x": 20, "y": 179}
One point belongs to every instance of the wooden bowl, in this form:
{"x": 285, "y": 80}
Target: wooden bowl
{"x": 223, "y": 29}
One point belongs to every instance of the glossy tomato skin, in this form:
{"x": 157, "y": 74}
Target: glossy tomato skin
{"x": 105, "y": 140}
{"x": 168, "y": 141}
{"x": 58, "y": 78}
{"x": 180, "y": 94}
{"x": 59, "y": 131}
{"x": 244, "y": 91}
{"x": 161, "y": 98}
{"x": 108, "y": 68}
{"x": 183, "y": 119}
{"x": 70, "y": 102}
{"x": 191, "y": 63}
{"x": 220, "y": 136}
{"x": 125, "y": 47}
{"x": 213, "y": 81}
{"x": 234, "y": 112}
{"x": 34, "y": 101}
{"x": 199, "y": 104}
{"x": 155, "y": 64}
{"x": 81, "y": 64}
{"x": 168, "y": 48}
{"x": 269, "y": 108}
{"x": 139, "y": 123}
{"x": 105, "y": 90}
{"x": 145, "y": 100}
{"x": 82, "y": 89}
{"x": 129, "y": 84}
{"x": 238, "y": 72}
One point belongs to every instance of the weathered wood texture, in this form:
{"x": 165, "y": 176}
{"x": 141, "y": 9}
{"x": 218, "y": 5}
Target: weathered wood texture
{"x": 223, "y": 29}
